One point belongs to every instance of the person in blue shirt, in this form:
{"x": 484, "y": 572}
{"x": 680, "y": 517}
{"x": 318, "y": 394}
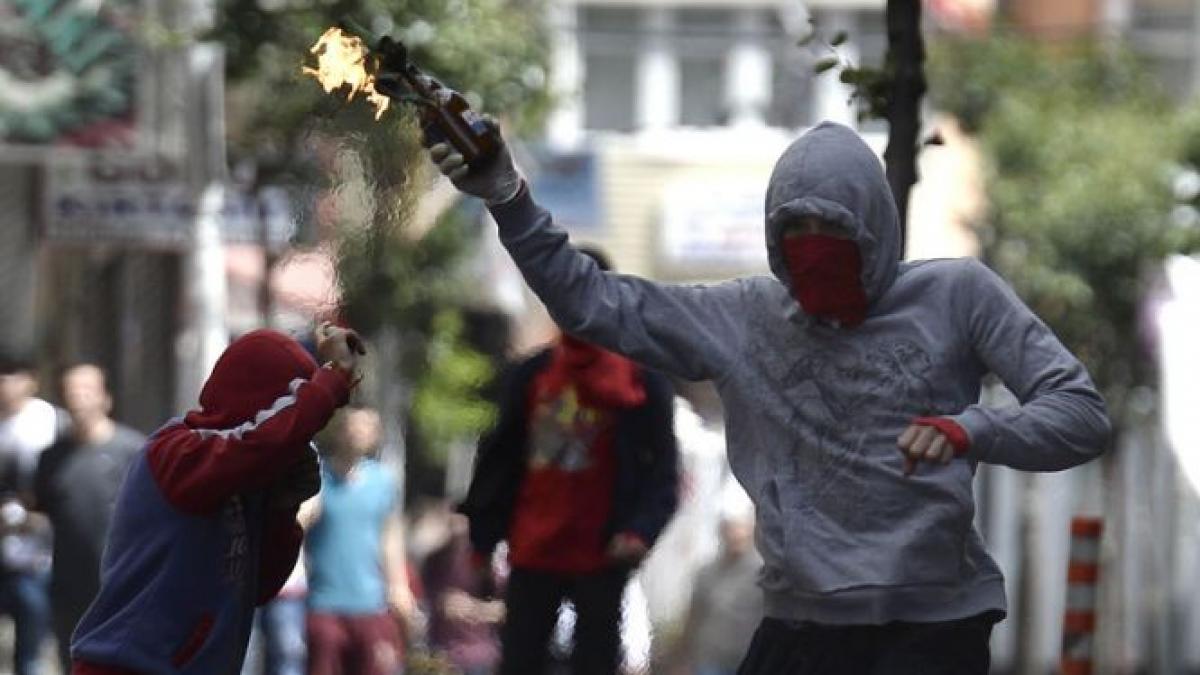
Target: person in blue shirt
{"x": 358, "y": 588}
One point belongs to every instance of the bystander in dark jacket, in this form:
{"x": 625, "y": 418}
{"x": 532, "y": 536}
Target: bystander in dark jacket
{"x": 579, "y": 476}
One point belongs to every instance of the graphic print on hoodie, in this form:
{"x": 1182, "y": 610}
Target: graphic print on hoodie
{"x": 193, "y": 547}
{"x": 813, "y": 411}
{"x": 565, "y": 499}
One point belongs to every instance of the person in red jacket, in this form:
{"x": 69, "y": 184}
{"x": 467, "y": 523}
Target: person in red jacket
{"x": 205, "y": 524}
{"x": 579, "y": 475}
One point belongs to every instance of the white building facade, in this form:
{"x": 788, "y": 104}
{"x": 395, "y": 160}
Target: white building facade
{"x": 682, "y": 107}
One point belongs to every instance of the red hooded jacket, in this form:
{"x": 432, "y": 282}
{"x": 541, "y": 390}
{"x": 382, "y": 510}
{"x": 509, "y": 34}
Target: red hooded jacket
{"x": 259, "y": 410}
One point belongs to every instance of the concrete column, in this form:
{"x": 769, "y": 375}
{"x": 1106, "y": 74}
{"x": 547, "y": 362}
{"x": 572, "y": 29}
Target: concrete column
{"x": 1000, "y": 494}
{"x": 564, "y": 129}
{"x": 657, "y": 72}
{"x": 832, "y": 98}
{"x": 748, "y": 70}
{"x": 203, "y": 335}
{"x": 1053, "y": 498}
{"x": 203, "y": 332}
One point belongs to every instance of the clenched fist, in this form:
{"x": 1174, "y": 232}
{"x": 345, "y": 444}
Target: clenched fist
{"x": 339, "y": 346}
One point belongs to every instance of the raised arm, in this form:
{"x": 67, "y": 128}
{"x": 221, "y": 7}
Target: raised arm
{"x": 688, "y": 330}
{"x": 1062, "y": 420}
{"x": 198, "y": 469}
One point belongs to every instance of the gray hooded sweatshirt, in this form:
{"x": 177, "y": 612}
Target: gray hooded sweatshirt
{"x": 813, "y": 411}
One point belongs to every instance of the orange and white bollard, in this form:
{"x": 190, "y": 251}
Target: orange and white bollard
{"x": 1083, "y": 573}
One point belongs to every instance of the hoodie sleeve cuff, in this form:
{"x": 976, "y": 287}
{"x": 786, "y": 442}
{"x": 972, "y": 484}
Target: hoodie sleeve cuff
{"x": 335, "y": 382}
{"x": 951, "y": 430}
{"x": 517, "y": 215}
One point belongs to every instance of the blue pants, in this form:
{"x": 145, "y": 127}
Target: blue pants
{"x": 278, "y": 639}
{"x": 25, "y": 596}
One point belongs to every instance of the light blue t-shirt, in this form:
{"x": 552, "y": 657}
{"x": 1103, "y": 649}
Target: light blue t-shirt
{"x": 343, "y": 549}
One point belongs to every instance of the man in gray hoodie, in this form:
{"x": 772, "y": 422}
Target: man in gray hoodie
{"x": 850, "y": 381}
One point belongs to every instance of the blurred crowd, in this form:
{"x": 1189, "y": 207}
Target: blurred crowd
{"x": 378, "y": 590}
{"x": 61, "y": 467}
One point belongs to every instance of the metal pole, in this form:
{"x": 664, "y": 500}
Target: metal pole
{"x": 204, "y": 334}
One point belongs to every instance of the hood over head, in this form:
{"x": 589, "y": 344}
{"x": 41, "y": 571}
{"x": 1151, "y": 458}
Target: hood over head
{"x": 830, "y": 173}
{"x": 251, "y": 374}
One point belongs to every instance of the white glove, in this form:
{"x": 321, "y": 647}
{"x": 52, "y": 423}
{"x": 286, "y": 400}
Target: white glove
{"x": 495, "y": 182}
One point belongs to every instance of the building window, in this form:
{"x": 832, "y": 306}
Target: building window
{"x": 1162, "y": 32}
{"x": 608, "y": 37}
{"x": 613, "y": 39}
{"x": 702, "y": 92}
{"x": 697, "y": 24}
{"x": 702, "y": 40}
{"x": 792, "y": 91}
{"x": 870, "y": 37}
{"x": 609, "y": 90}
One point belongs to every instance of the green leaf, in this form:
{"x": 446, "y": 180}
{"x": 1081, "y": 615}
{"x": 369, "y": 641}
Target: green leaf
{"x": 840, "y": 38}
{"x": 825, "y": 64}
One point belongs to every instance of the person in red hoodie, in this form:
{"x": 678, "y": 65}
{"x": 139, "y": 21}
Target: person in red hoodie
{"x": 580, "y": 476}
{"x": 205, "y": 524}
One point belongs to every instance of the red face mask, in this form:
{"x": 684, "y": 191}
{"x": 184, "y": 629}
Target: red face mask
{"x": 826, "y": 277}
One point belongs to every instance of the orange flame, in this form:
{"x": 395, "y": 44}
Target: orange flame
{"x": 341, "y": 60}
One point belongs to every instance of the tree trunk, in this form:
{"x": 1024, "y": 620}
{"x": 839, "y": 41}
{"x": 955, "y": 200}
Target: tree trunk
{"x": 906, "y": 59}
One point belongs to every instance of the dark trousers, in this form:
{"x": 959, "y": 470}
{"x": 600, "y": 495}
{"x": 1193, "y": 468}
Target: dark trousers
{"x": 802, "y": 648}
{"x": 67, "y": 613}
{"x": 531, "y": 602}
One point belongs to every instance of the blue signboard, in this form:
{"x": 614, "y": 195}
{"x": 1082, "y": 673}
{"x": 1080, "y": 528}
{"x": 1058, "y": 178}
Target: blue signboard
{"x": 568, "y": 185}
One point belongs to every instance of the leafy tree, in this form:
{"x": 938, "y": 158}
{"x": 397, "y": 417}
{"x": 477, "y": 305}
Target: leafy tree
{"x": 1082, "y": 153}
{"x": 446, "y": 407}
{"x": 399, "y": 282}
{"x": 493, "y": 50}
{"x": 892, "y": 91}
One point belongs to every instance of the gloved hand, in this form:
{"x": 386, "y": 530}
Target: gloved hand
{"x": 495, "y": 182}
{"x": 933, "y": 440}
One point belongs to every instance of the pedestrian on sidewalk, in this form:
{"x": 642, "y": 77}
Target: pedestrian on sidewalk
{"x": 28, "y": 425}
{"x": 850, "y": 382}
{"x": 464, "y": 610}
{"x": 726, "y": 604}
{"x": 359, "y": 593}
{"x": 205, "y": 526}
{"x": 76, "y": 486}
{"x": 579, "y": 476}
